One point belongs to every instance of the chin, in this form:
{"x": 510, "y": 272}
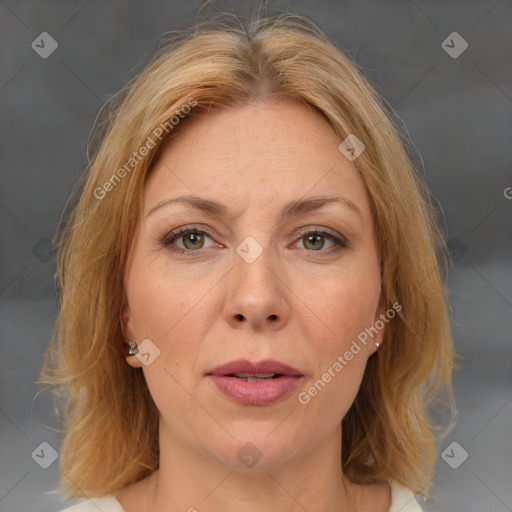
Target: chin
{"x": 259, "y": 448}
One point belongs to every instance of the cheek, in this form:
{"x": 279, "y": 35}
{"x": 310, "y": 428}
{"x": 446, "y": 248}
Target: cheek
{"x": 160, "y": 300}
{"x": 343, "y": 307}
{"x": 171, "y": 310}
{"x": 166, "y": 309}
{"x": 356, "y": 308}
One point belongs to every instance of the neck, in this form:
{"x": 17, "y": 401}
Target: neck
{"x": 190, "y": 479}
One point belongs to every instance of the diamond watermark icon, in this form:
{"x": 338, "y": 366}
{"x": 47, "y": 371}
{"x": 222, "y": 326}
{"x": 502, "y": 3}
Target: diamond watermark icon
{"x": 249, "y": 249}
{"x": 148, "y": 352}
{"x": 45, "y": 455}
{"x": 351, "y": 147}
{"x": 249, "y": 454}
{"x": 454, "y": 45}
{"x": 44, "y": 45}
{"x": 43, "y": 249}
{"x": 457, "y": 249}
{"x": 454, "y": 455}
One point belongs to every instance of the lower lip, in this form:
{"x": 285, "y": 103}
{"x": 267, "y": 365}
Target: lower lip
{"x": 262, "y": 392}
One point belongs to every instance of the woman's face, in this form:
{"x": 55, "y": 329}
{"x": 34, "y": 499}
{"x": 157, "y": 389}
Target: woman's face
{"x": 254, "y": 283}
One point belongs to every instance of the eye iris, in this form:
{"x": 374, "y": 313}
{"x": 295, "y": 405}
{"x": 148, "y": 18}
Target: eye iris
{"x": 195, "y": 240}
{"x": 191, "y": 237}
{"x": 317, "y": 237}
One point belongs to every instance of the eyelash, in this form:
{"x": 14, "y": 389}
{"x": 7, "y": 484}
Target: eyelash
{"x": 341, "y": 242}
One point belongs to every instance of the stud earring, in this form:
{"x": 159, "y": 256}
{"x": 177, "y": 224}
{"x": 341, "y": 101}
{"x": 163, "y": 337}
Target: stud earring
{"x": 377, "y": 344}
{"x": 133, "y": 348}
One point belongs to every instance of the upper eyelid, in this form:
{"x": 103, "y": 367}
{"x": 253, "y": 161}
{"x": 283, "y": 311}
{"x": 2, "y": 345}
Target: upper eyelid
{"x": 208, "y": 231}
{"x": 181, "y": 231}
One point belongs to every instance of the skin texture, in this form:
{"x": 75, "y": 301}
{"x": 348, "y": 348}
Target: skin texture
{"x": 300, "y": 302}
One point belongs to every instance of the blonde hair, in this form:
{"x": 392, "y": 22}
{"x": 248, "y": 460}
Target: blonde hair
{"x": 109, "y": 418}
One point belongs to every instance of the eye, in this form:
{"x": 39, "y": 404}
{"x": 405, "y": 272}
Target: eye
{"x": 314, "y": 240}
{"x": 192, "y": 239}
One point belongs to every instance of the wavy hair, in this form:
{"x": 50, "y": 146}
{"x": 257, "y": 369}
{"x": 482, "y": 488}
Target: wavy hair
{"x": 110, "y": 422}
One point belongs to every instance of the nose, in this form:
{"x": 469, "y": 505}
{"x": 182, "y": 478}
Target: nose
{"x": 257, "y": 296}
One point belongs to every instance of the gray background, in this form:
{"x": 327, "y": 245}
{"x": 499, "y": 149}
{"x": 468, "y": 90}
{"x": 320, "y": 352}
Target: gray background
{"x": 456, "y": 110}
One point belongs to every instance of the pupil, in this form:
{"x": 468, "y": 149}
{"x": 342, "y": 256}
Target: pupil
{"x": 318, "y": 238}
{"x": 194, "y": 238}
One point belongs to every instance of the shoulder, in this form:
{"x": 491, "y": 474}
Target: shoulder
{"x": 105, "y": 504}
{"x": 402, "y": 499}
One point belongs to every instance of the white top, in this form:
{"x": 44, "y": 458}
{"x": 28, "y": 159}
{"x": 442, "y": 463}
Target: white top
{"x": 402, "y": 500}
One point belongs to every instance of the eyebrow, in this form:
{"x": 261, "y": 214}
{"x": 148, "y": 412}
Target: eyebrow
{"x": 290, "y": 209}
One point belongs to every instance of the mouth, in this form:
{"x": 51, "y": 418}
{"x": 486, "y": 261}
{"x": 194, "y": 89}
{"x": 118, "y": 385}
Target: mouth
{"x": 254, "y": 377}
{"x": 267, "y": 369}
{"x": 255, "y": 383}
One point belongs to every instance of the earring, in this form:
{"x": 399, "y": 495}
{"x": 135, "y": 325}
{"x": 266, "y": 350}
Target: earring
{"x": 377, "y": 344}
{"x": 133, "y": 348}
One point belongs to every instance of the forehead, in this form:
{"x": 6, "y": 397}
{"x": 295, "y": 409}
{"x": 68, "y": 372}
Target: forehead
{"x": 257, "y": 154}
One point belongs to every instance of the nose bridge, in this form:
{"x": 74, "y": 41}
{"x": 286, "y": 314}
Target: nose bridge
{"x": 255, "y": 265}
{"x": 256, "y": 294}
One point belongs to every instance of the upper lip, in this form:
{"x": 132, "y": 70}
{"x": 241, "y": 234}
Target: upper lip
{"x": 245, "y": 366}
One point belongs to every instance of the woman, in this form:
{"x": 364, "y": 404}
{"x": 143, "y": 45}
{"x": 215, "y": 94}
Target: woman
{"x": 253, "y": 315}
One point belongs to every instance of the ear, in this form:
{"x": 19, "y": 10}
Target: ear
{"x": 129, "y": 333}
